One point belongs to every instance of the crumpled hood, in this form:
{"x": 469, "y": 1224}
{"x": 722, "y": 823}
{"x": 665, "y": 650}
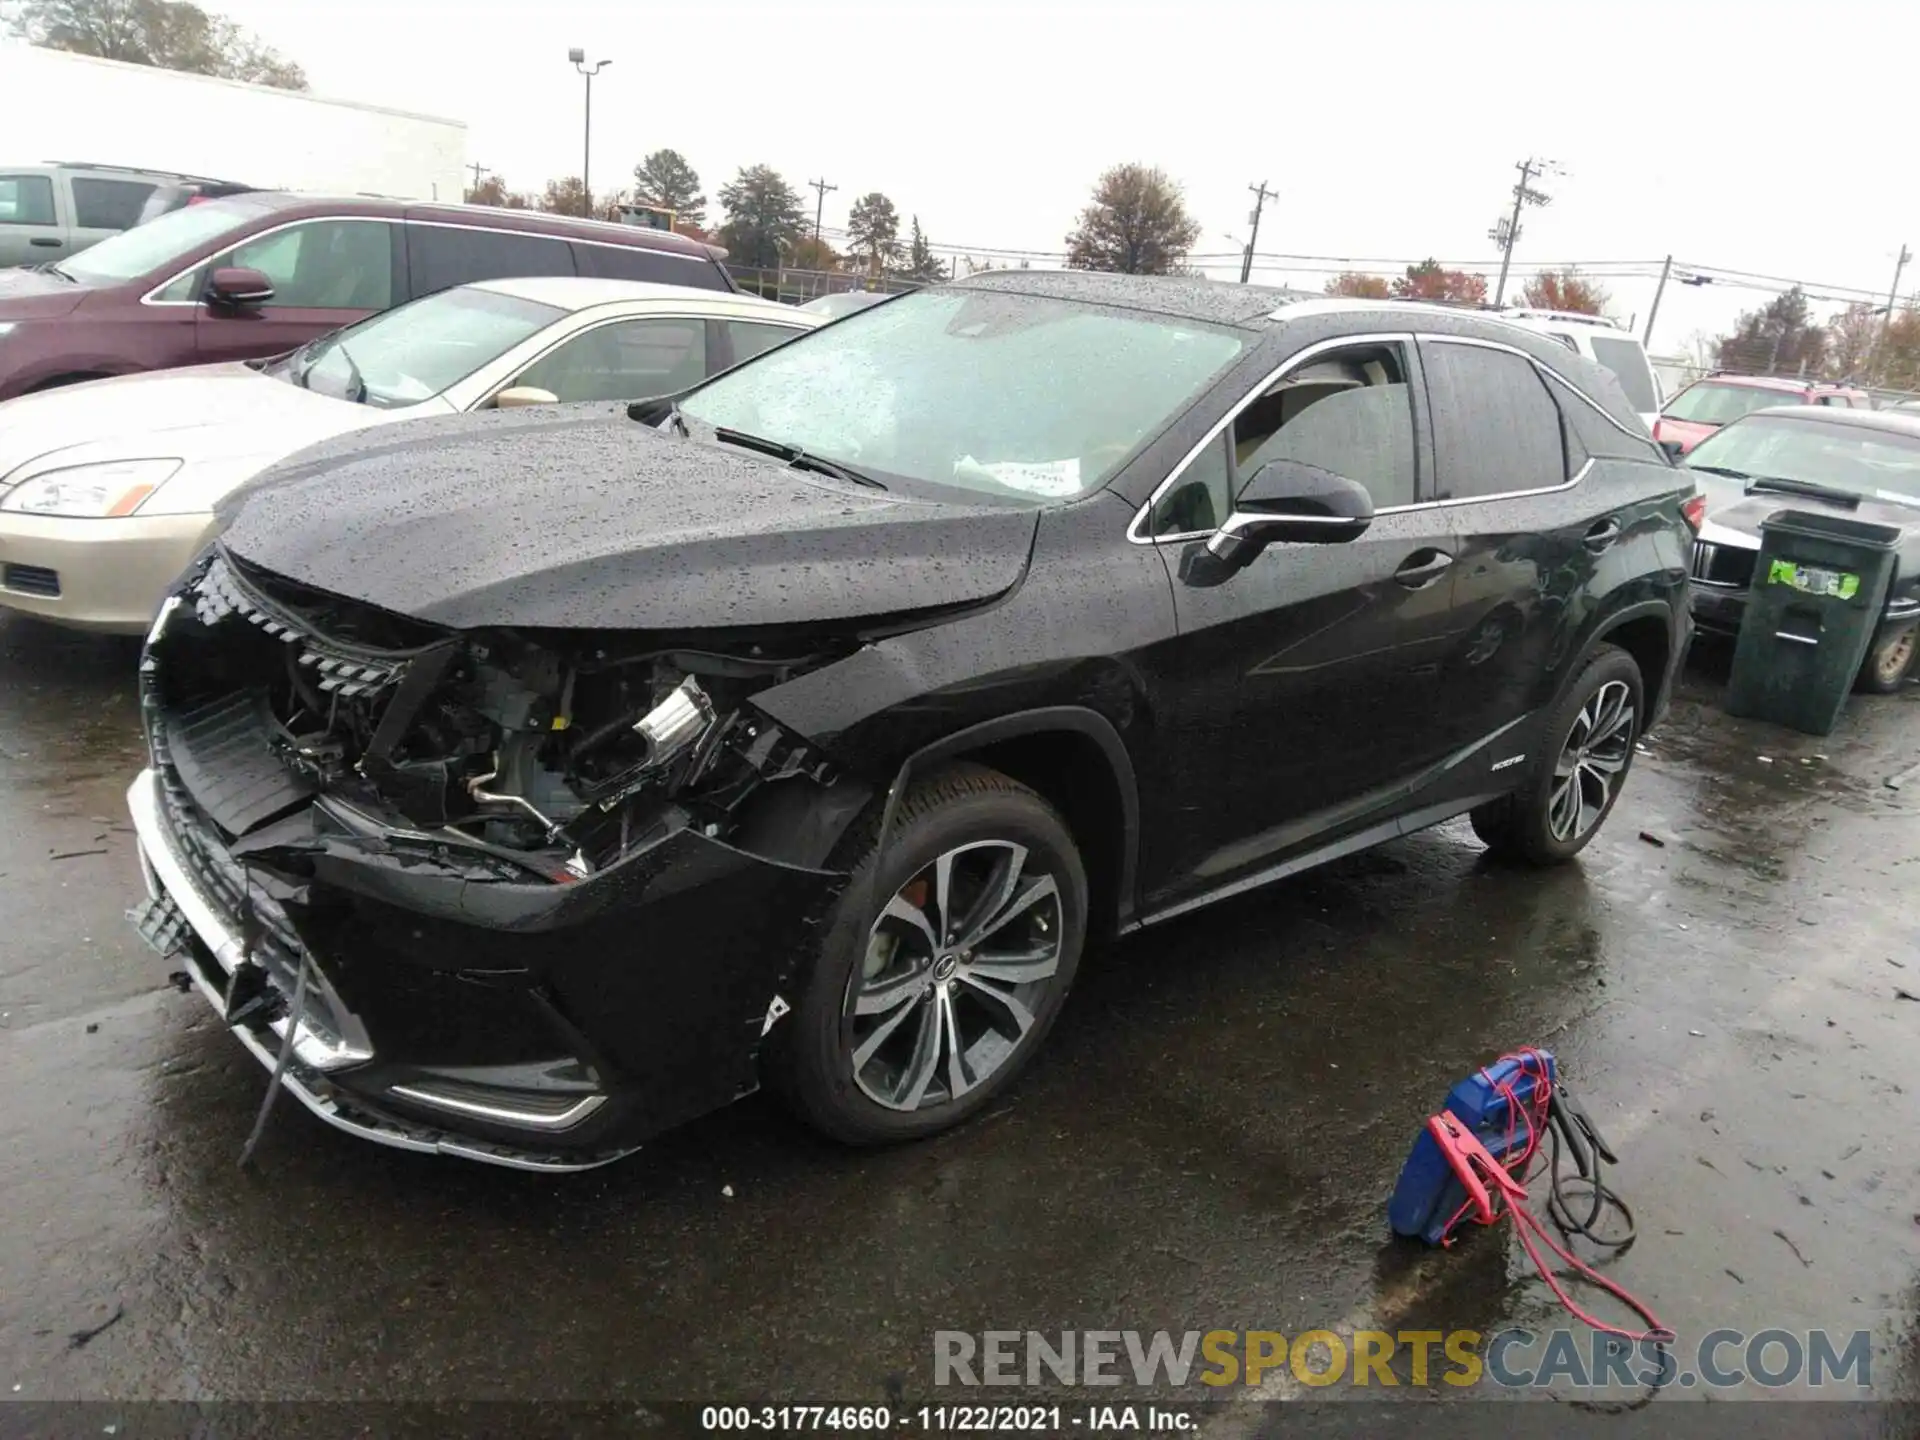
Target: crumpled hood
{"x": 206, "y": 413}
{"x": 1736, "y": 521}
{"x": 28, "y": 295}
{"x": 579, "y": 517}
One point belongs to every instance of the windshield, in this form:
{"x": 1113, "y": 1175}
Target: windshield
{"x": 413, "y": 353}
{"x": 998, "y": 393}
{"x": 146, "y": 248}
{"x": 1877, "y": 463}
{"x": 1628, "y": 362}
{"x": 1710, "y": 404}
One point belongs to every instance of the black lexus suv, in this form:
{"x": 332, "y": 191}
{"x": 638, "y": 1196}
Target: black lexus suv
{"x": 524, "y": 783}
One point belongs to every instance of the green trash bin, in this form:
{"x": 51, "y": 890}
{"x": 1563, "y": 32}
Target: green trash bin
{"x": 1819, "y": 589}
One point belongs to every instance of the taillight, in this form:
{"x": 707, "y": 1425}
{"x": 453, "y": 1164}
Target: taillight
{"x": 1693, "y": 510}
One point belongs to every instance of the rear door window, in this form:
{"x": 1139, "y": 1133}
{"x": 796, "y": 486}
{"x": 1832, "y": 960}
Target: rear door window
{"x": 26, "y": 200}
{"x": 1496, "y": 429}
{"x": 439, "y": 256}
{"x": 657, "y": 267}
{"x": 108, "y": 204}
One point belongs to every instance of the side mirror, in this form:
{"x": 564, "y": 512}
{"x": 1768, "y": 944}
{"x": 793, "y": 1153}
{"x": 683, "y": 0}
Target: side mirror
{"x": 518, "y": 397}
{"x": 1292, "y": 502}
{"x": 236, "y": 287}
{"x": 1674, "y": 448}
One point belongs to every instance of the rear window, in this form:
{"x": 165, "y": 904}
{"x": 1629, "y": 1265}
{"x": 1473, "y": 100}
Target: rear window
{"x": 659, "y": 267}
{"x": 1628, "y": 362}
{"x": 26, "y": 200}
{"x": 108, "y": 204}
{"x": 439, "y": 256}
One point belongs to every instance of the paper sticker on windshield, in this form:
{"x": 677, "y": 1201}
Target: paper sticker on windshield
{"x": 1811, "y": 580}
{"x": 1052, "y": 478}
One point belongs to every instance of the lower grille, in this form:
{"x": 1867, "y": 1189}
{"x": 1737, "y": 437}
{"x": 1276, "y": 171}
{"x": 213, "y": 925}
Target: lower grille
{"x": 277, "y": 947}
{"x": 1730, "y": 566}
{"x": 31, "y": 580}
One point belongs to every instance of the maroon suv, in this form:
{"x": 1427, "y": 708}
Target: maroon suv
{"x": 262, "y": 273}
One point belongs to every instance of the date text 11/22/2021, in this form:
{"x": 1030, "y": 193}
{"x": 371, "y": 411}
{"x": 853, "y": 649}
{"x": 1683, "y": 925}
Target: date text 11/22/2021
{"x": 946, "y": 1419}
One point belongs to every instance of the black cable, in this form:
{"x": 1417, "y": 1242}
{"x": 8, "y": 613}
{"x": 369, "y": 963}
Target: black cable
{"x": 279, "y": 1065}
{"x": 1602, "y": 1198}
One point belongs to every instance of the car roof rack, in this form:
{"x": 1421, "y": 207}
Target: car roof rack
{"x": 1570, "y": 317}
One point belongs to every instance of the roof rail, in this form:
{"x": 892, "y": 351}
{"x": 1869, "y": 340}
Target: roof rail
{"x": 1571, "y": 317}
{"x": 138, "y": 170}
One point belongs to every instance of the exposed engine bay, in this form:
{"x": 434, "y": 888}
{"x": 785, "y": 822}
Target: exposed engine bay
{"x": 559, "y": 753}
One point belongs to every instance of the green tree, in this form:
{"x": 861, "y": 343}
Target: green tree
{"x": 1778, "y": 339}
{"x": 490, "y": 191}
{"x": 922, "y": 264}
{"x": 873, "y": 231}
{"x": 1356, "y": 286}
{"x": 665, "y": 179}
{"x": 1137, "y": 224}
{"x": 763, "y": 212}
{"x": 169, "y": 34}
{"x": 1428, "y": 281}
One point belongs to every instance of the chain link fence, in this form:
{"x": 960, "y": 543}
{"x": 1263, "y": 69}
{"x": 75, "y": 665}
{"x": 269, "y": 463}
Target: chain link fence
{"x": 792, "y": 286}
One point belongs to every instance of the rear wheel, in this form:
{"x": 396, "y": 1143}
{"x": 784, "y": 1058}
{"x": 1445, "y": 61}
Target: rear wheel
{"x": 1572, "y": 786}
{"x": 942, "y": 965}
{"x": 1888, "y": 662}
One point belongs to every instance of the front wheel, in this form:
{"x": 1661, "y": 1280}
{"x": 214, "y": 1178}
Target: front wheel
{"x": 1574, "y": 783}
{"x": 941, "y": 966}
{"x": 1888, "y": 662}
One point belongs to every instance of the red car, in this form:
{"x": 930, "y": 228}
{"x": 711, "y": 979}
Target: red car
{"x": 262, "y": 273}
{"x": 1704, "y": 406}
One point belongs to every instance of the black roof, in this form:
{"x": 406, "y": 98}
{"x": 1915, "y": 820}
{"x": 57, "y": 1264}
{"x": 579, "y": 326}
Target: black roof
{"x": 1893, "y": 422}
{"x": 1187, "y": 297}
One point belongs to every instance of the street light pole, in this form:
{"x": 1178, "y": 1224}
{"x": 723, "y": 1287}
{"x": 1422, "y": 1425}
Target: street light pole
{"x": 579, "y": 59}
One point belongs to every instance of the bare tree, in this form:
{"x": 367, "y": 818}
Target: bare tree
{"x": 169, "y": 34}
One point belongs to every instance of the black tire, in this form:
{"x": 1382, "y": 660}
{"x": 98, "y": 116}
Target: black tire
{"x": 1888, "y": 663}
{"x": 1521, "y": 826}
{"x": 810, "y": 1061}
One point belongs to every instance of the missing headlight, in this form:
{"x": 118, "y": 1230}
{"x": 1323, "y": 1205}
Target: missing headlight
{"x": 676, "y": 724}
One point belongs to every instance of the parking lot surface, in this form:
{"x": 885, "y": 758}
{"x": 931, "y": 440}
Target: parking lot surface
{"x": 1207, "y": 1140}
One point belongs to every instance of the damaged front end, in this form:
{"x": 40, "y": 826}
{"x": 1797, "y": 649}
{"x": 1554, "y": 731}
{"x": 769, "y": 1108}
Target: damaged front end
{"x": 547, "y": 886}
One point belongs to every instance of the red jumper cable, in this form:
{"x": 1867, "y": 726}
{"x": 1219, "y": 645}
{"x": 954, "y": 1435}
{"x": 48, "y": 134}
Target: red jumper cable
{"x": 1495, "y": 1189}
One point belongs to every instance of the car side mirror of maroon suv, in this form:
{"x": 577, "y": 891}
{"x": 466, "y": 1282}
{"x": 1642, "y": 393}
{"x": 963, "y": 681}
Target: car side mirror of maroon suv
{"x": 237, "y": 287}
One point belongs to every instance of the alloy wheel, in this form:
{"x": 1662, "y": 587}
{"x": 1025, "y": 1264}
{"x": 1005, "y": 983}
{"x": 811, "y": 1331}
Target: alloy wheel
{"x": 1592, "y": 761}
{"x": 955, "y": 968}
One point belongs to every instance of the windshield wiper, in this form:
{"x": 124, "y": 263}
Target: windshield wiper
{"x": 1780, "y": 485}
{"x": 1720, "y": 470}
{"x": 796, "y": 457}
{"x": 356, "y": 383}
{"x": 53, "y": 268}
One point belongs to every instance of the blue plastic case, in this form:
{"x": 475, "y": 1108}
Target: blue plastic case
{"x": 1429, "y": 1195}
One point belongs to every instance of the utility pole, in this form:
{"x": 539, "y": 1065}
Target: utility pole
{"x": 1507, "y": 231}
{"x": 820, "y": 205}
{"x": 1886, "y": 325}
{"x": 1646, "y": 339}
{"x": 1260, "y": 197}
{"x": 478, "y": 170}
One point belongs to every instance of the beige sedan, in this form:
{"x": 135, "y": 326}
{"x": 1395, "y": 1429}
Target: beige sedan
{"x": 107, "y": 489}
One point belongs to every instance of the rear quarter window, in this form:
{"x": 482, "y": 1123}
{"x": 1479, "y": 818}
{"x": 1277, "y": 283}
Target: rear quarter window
{"x": 658, "y": 267}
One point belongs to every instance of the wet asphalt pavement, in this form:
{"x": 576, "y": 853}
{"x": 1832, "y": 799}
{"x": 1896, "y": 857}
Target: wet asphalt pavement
{"x": 1206, "y": 1142}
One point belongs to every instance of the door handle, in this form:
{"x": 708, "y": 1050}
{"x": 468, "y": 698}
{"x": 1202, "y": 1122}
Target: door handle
{"x": 1422, "y": 568}
{"x": 46, "y": 240}
{"x": 1602, "y": 535}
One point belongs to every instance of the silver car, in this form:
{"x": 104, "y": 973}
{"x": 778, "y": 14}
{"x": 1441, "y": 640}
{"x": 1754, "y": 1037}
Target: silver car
{"x": 107, "y": 489}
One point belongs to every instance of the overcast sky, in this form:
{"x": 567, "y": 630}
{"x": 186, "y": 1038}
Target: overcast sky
{"x": 1751, "y": 138}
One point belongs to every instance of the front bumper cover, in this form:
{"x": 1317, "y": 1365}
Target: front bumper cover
{"x": 653, "y": 980}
